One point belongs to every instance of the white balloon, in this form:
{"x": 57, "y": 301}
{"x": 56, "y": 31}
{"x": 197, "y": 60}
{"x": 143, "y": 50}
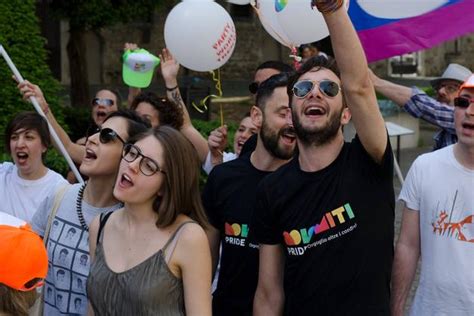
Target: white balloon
{"x": 390, "y": 9}
{"x": 268, "y": 18}
{"x": 302, "y": 23}
{"x": 200, "y": 34}
{"x": 240, "y": 2}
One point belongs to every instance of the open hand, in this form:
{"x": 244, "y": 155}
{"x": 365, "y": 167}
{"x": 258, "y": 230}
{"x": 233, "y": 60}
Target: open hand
{"x": 169, "y": 67}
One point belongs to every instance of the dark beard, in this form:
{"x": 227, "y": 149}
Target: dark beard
{"x": 270, "y": 142}
{"x": 320, "y": 135}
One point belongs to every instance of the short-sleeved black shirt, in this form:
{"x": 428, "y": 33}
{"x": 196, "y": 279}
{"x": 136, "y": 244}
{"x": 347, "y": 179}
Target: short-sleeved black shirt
{"x": 229, "y": 199}
{"x": 336, "y": 228}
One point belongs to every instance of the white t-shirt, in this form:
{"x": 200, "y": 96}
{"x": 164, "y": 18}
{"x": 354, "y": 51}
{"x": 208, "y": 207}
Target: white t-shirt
{"x": 442, "y": 190}
{"x": 207, "y": 166}
{"x": 20, "y": 197}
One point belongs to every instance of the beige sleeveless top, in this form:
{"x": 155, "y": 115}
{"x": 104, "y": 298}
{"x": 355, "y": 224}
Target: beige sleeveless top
{"x": 149, "y": 288}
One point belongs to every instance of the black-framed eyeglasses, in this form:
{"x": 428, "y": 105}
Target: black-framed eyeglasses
{"x": 100, "y": 101}
{"x": 253, "y": 87}
{"x": 147, "y": 165}
{"x": 462, "y": 102}
{"x": 106, "y": 135}
{"x": 327, "y": 87}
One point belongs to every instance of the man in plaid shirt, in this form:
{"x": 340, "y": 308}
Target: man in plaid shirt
{"x": 438, "y": 111}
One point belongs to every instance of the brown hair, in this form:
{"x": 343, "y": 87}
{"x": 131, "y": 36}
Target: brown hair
{"x": 181, "y": 171}
{"x": 16, "y": 302}
{"x": 169, "y": 113}
{"x": 28, "y": 121}
{"x": 318, "y": 62}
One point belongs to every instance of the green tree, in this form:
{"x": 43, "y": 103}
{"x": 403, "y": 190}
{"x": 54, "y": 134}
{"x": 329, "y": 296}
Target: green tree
{"x": 20, "y": 36}
{"x": 89, "y": 15}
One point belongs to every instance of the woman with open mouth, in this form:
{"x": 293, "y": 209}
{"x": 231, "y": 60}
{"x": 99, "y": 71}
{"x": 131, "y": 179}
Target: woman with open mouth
{"x": 152, "y": 257}
{"x": 27, "y": 181}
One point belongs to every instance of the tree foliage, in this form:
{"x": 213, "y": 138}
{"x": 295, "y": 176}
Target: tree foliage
{"x": 95, "y": 14}
{"x": 20, "y": 36}
{"x": 89, "y": 15}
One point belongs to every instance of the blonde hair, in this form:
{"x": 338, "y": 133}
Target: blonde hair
{"x": 14, "y": 302}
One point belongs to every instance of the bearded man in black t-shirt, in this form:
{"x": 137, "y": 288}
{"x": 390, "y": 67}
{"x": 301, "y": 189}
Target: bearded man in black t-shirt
{"x": 229, "y": 198}
{"x": 324, "y": 221}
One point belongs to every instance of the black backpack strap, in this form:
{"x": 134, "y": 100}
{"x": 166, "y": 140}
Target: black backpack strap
{"x": 102, "y": 220}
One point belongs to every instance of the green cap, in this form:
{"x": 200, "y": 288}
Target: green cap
{"x": 138, "y": 67}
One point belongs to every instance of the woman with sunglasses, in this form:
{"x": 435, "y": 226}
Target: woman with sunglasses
{"x": 152, "y": 257}
{"x": 104, "y": 102}
{"x": 76, "y": 207}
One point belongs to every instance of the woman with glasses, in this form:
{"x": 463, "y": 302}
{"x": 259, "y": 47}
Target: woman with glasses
{"x": 152, "y": 257}
{"x": 77, "y": 206}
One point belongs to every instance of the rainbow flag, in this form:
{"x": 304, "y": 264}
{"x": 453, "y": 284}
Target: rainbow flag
{"x": 389, "y": 28}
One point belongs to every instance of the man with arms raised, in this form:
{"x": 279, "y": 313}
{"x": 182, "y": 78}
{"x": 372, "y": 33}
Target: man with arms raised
{"x": 324, "y": 221}
{"x": 438, "y": 111}
{"x": 438, "y": 224}
{"x": 229, "y": 198}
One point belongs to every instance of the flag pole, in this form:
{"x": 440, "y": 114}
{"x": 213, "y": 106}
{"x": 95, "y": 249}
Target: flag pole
{"x": 38, "y": 109}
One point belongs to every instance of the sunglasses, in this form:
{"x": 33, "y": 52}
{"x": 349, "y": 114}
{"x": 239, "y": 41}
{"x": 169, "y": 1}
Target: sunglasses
{"x": 105, "y": 102}
{"x": 106, "y": 135}
{"x": 147, "y": 165}
{"x": 253, "y": 87}
{"x": 327, "y": 87}
{"x": 462, "y": 102}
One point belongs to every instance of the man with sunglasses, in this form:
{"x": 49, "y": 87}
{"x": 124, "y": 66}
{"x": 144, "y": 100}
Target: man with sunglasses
{"x": 80, "y": 204}
{"x": 438, "y": 224}
{"x": 229, "y": 199}
{"x": 438, "y": 111}
{"x": 324, "y": 221}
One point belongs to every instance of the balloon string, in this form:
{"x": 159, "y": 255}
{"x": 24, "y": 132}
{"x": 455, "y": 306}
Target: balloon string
{"x": 202, "y": 106}
{"x": 296, "y": 59}
{"x": 294, "y": 51}
{"x": 262, "y": 18}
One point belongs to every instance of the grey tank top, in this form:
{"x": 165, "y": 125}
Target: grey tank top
{"x": 149, "y": 288}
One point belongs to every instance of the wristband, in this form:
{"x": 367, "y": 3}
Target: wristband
{"x": 327, "y": 6}
{"x": 171, "y": 89}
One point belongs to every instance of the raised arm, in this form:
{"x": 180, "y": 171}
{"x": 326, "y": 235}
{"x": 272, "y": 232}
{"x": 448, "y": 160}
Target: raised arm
{"x": 269, "y": 296}
{"x": 407, "y": 253}
{"x": 217, "y": 142}
{"x": 358, "y": 88}
{"x": 169, "y": 71}
{"x": 395, "y": 92}
{"x": 75, "y": 151}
